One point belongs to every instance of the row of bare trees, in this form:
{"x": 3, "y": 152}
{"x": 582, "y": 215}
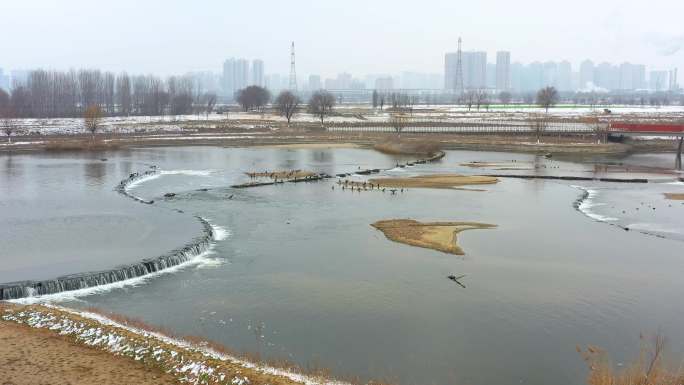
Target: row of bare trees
{"x": 47, "y": 94}
{"x": 255, "y": 98}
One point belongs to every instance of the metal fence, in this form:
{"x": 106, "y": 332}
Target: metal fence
{"x": 469, "y": 127}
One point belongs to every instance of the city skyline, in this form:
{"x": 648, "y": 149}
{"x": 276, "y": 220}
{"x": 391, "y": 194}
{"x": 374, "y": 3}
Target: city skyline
{"x": 608, "y": 31}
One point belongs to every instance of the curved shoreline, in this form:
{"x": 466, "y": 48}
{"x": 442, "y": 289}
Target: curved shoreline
{"x": 72, "y": 282}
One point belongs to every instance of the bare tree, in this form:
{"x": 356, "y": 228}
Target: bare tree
{"x": 210, "y": 102}
{"x": 538, "y": 124}
{"x": 123, "y": 94}
{"x": 4, "y": 100}
{"x": 480, "y": 98}
{"x": 398, "y": 122}
{"x": 92, "y": 118}
{"x": 469, "y": 99}
{"x": 7, "y": 122}
{"x": 599, "y": 128}
{"x": 321, "y": 104}
{"x": 253, "y": 98}
{"x": 287, "y": 104}
{"x": 547, "y": 97}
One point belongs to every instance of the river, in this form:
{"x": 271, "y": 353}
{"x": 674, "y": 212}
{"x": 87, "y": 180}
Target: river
{"x": 297, "y": 272}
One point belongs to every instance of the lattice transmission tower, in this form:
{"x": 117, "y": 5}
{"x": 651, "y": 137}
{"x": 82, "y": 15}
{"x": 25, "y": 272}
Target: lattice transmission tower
{"x": 293, "y": 71}
{"x": 459, "y": 70}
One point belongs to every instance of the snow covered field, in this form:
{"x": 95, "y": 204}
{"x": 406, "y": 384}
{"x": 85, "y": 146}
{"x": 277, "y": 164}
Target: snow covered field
{"x": 345, "y": 114}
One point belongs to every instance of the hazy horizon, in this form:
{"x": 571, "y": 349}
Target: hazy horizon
{"x": 382, "y": 37}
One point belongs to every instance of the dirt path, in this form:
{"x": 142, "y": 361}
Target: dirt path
{"x": 31, "y": 356}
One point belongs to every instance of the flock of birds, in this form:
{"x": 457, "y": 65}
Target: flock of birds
{"x": 366, "y": 186}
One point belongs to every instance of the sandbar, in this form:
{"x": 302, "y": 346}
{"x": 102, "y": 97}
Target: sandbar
{"x": 440, "y": 236}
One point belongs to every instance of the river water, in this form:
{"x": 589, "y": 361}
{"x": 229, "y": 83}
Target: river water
{"x": 297, "y": 272}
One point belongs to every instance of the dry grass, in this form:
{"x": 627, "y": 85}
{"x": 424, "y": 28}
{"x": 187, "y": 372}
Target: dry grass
{"x": 674, "y": 196}
{"x": 440, "y": 236}
{"x": 414, "y": 147}
{"x": 434, "y": 181}
{"x": 281, "y": 174}
{"x": 311, "y": 369}
{"x": 648, "y": 369}
{"x": 79, "y": 145}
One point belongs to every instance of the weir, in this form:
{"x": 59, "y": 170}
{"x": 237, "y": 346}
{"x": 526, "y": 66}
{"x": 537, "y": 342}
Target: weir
{"x": 24, "y": 289}
{"x": 197, "y": 246}
{"x": 136, "y": 176}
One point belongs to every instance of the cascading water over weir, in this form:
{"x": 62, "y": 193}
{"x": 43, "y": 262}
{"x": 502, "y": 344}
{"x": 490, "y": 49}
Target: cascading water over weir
{"x": 200, "y": 244}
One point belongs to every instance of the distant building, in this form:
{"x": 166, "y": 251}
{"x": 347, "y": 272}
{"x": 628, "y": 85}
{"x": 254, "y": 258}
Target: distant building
{"x": 474, "y": 69}
{"x": 343, "y": 81}
{"x": 276, "y": 82}
{"x": 473, "y": 66}
{"x": 418, "y": 80}
{"x": 503, "y": 70}
{"x": 4, "y": 81}
{"x": 206, "y": 81}
{"x": 258, "y": 73}
{"x": 534, "y": 77}
{"x": 516, "y": 76}
{"x": 586, "y": 75}
{"x": 314, "y": 83}
{"x": 228, "y": 79}
{"x": 625, "y": 77}
{"x": 549, "y": 75}
{"x": 607, "y": 76}
{"x": 639, "y": 77}
{"x": 241, "y": 74}
{"x": 384, "y": 83}
{"x": 674, "y": 86}
{"x": 450, "y": 63}
{"x": 491, "y": 76}
{"x": 632, "y": 76}
{"x": 564, "y": 76}
{"x": 659, "y": 81}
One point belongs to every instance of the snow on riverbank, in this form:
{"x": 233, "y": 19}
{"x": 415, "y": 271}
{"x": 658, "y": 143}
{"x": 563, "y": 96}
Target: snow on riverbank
{"x": 188, "y": 362}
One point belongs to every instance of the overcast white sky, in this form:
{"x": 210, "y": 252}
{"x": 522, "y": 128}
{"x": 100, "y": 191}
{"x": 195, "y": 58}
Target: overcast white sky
{"x": 356, "y": 36}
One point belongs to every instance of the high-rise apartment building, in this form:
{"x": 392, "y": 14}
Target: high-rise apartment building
{"x": 4, "y": 81}
{"x": 258, "y": 73}
{"x": 384, "y": 83}
{"x": 474, "y": 69}
{"x": 503, "y": 70}
{"x": 658, "y": 81}
{"x": 314, "y": 83}
{"x": 235, "y": 76}
{"x": 564, "y": 76}
{"x": 450, "y": 64}
{"x": 586, "y": 75}
{"x": 607, "y": 76}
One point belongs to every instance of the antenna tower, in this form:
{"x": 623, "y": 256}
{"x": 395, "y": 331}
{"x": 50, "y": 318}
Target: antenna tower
{"x": 459, "y": 70}
{"x": 293, "y": 71}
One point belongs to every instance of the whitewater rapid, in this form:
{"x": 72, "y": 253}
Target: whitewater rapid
{"x": 587, "y": 202}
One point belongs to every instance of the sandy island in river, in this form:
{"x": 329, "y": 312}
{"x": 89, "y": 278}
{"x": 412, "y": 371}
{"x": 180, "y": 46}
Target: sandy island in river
{"x": 675, "y": 196}
{"x": 440, "y": 236}
{"x": 434, "y": 181}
